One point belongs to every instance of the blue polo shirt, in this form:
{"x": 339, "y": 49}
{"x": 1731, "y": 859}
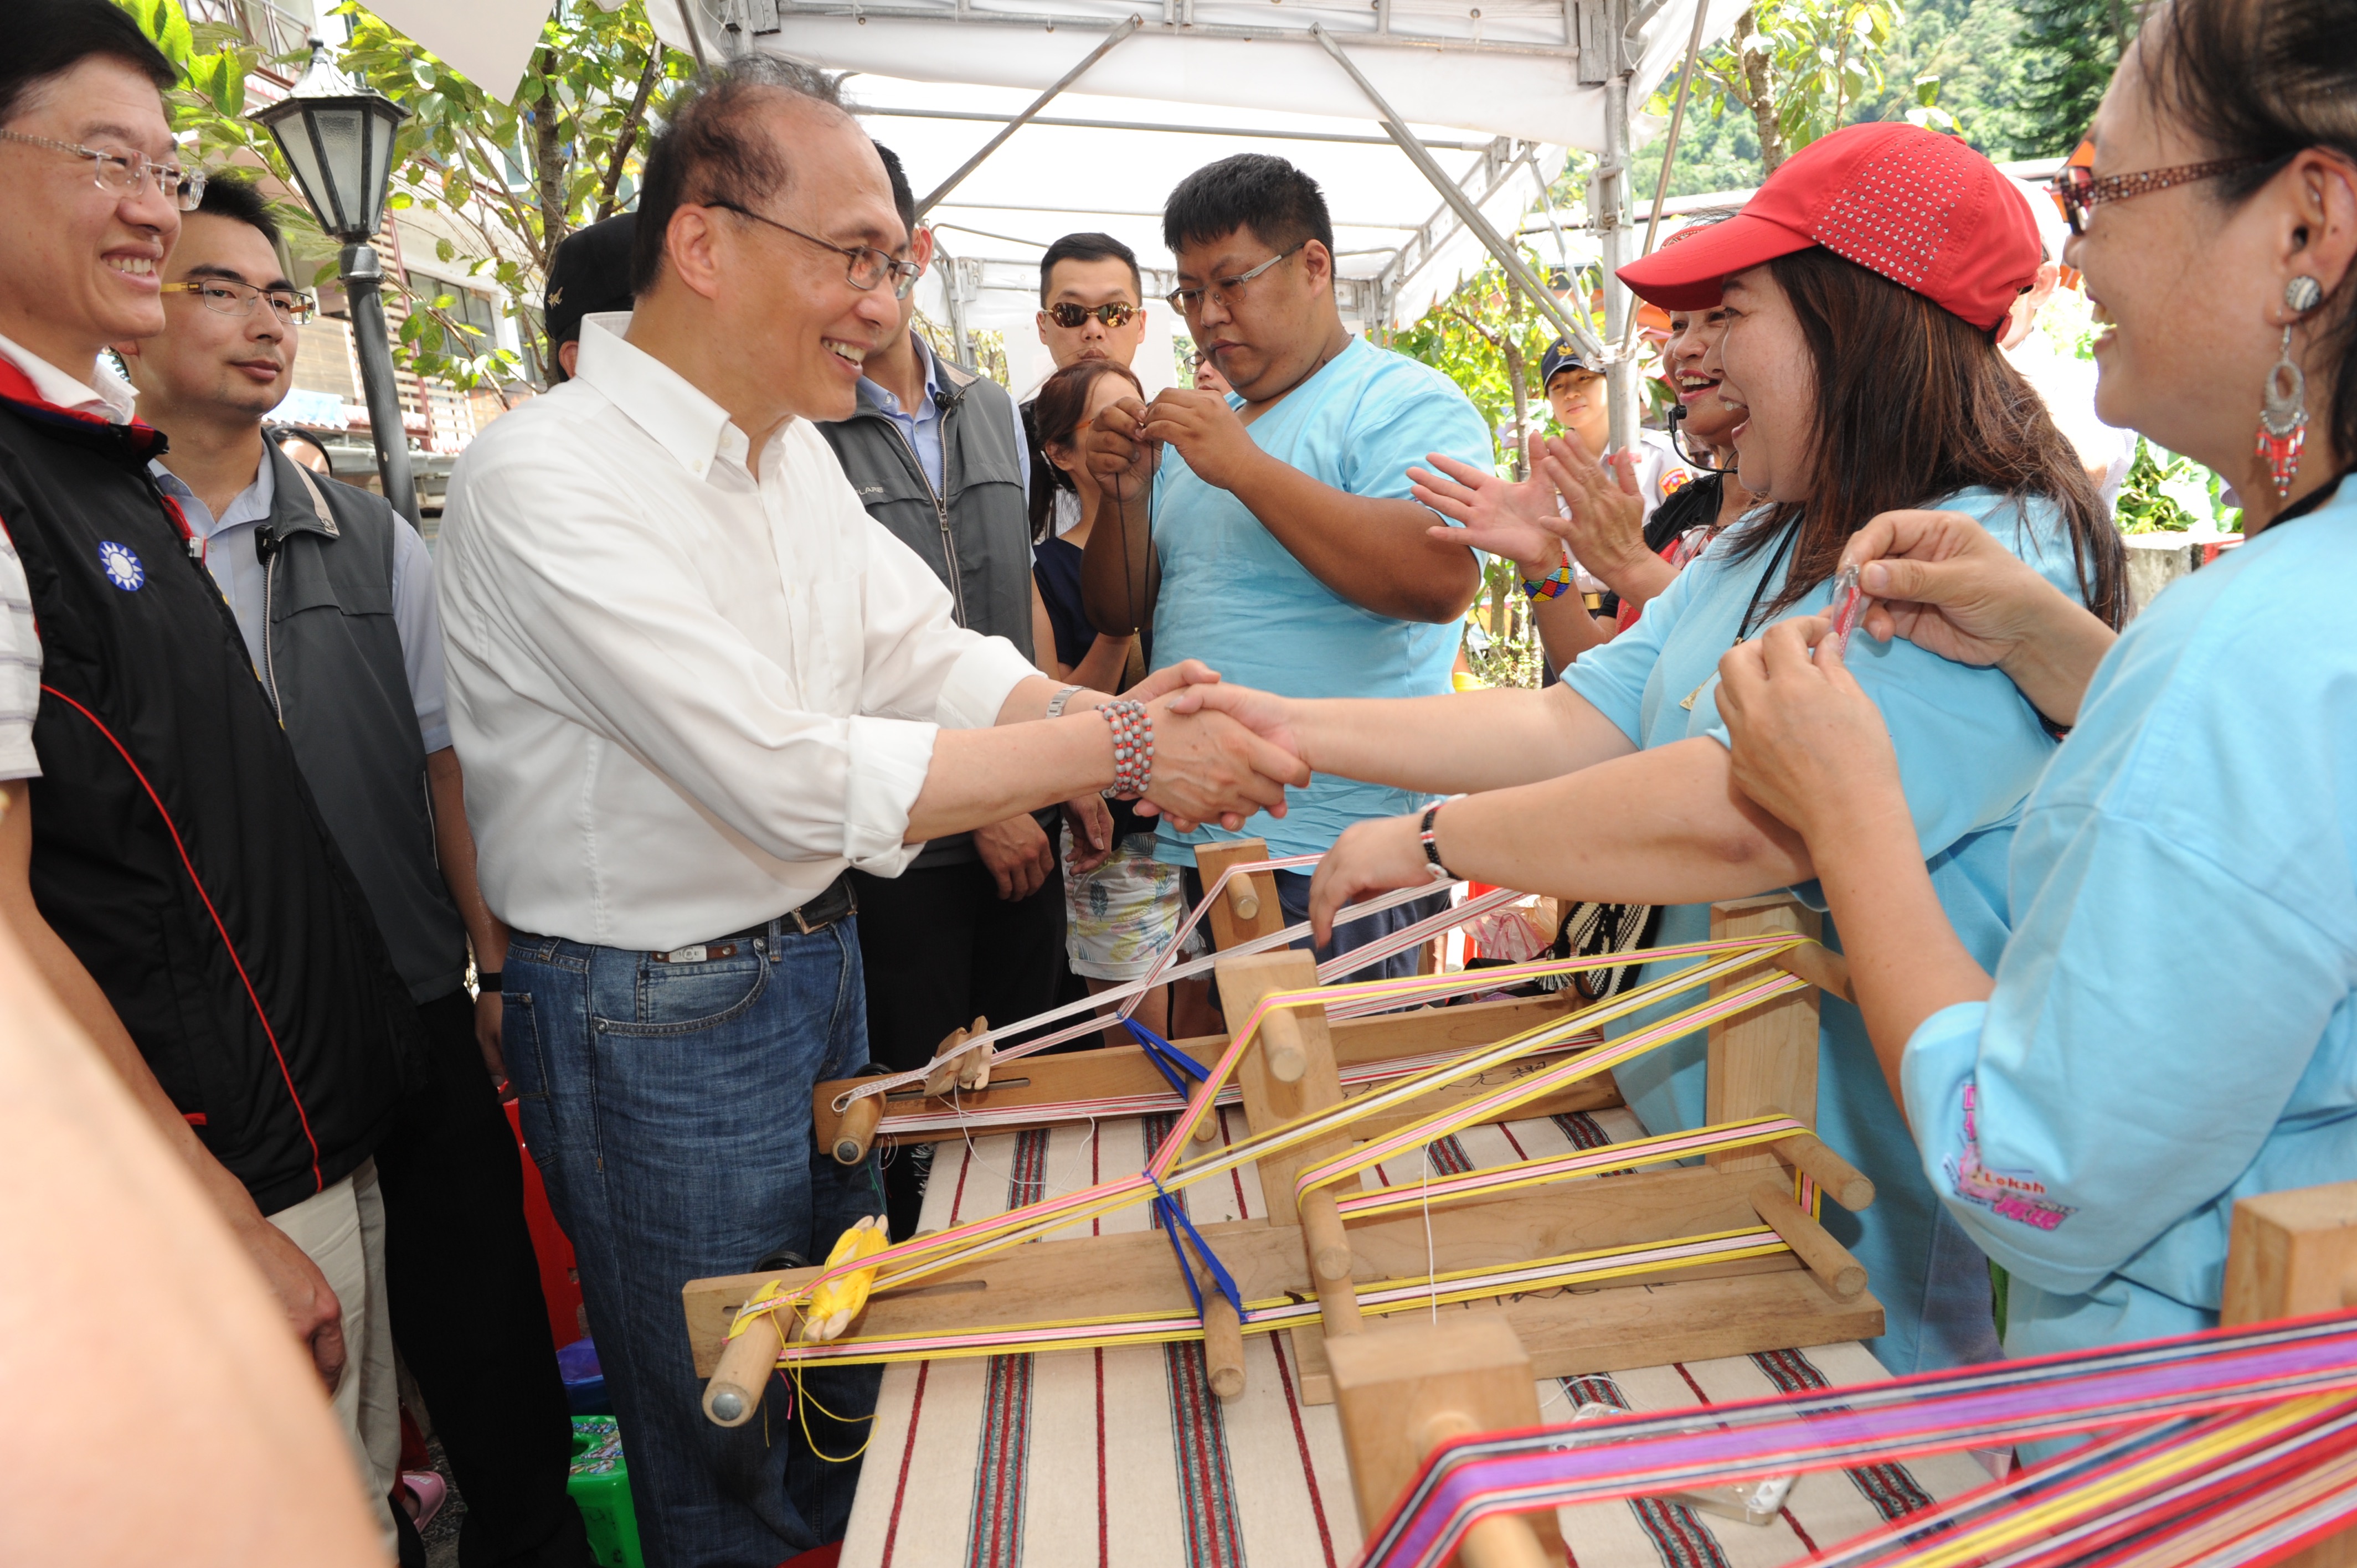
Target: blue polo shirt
{"x": 1234, "y": 598}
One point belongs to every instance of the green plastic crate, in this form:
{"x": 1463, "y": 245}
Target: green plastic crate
{"x": 601, "y": 1485}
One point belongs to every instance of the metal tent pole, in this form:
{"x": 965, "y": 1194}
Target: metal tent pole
{"x": 1570, "y": 323}
{"x": 1609, "y": 202}
{"x": 1016, "y": 123}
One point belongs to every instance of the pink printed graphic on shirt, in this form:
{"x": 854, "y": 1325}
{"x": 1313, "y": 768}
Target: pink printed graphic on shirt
{"x": 2009, "y": 1195}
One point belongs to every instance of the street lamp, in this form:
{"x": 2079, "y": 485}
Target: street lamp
{"x": 338, "y": 138}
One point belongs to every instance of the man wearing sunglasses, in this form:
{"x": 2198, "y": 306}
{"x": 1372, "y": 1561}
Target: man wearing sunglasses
{"x": 333, "y": 595}
{"x": 162, "y": 861}
{"x": 1090, "y": 307}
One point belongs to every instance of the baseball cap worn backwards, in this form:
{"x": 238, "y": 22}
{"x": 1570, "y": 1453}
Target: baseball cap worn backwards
{"x": 591, "y": 273}
{"x": 1922, "y": 209}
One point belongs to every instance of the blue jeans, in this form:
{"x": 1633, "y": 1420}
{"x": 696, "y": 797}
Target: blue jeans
{"x": 668, "y": 1106}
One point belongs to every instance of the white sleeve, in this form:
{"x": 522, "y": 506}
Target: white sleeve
{"x": 20, "y": 668}
{"x": 606, "y": 621}
{"x": 418, "y": 619}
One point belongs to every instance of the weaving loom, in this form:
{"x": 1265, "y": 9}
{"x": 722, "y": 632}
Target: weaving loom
{"x": 1732, "y": 1252}
{"x": 2234, "y": 1448}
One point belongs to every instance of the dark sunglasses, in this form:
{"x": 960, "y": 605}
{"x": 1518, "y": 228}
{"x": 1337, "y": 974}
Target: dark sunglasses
{"x": 1067, "y": 315}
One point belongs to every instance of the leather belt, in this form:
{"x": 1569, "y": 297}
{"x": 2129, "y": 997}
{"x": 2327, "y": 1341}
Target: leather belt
{"x": 833, "y": 903}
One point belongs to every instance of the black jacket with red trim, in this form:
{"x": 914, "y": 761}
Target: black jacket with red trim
{"x": 175, "y": 847}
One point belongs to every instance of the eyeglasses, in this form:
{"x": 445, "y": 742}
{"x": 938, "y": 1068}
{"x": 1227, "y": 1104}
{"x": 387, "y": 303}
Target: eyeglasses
{"x": 2078, "y": 191}
{"x": 129, "y": 171}
{"x": 1067, "y": 315}
{"x": 1223, "y": 291}
{"x": 869, "y": 267}
{"x": 292, "y": 307}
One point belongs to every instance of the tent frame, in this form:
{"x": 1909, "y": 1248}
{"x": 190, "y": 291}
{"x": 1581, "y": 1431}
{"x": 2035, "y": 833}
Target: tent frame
{"x": 1604, "y": 38}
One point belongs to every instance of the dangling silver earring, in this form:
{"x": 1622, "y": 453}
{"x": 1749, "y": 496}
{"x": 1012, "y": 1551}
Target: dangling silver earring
{"x": 2283, "y": 408}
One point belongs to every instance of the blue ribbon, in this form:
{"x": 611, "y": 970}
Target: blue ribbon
{"x": 1173, "y": 1220}
{"x": 1168, "y": 1058}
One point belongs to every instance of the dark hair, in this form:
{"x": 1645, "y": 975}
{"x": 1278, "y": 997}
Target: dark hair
{"x": 1090, "y": 248}
{"x": 2266, "y": 79}
{"x": 1282, "y": 206}
{"x": 904, "y": 200}
{"x": 713, "y": 149}
{"x": 50, "y": 37}
{"x": 229, "y": 195}
{"x": 1932, "y": 409}
{"x": 1055, "y": 417}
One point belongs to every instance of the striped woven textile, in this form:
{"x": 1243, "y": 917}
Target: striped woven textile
{"x": 1123, "y": 1458}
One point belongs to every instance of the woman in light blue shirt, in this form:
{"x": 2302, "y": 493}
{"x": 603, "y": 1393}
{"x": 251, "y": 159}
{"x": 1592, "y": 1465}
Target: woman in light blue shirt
{"x": 2173, "y": 1024}
{"x": 1616, "y": 786}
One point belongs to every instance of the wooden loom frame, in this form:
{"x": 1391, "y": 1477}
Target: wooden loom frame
{"x": 1761, "y": 1062}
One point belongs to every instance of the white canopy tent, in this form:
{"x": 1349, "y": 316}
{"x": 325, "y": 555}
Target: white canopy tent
{"x": 1433, "y": 125}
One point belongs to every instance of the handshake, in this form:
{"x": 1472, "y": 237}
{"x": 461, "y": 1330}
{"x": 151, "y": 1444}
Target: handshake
{"x": 1220, "y": 753}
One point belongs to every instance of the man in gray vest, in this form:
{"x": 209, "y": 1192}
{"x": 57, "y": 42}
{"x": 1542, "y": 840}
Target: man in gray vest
{"x": 334, "y": 594}
{"x": 976, "y": 926}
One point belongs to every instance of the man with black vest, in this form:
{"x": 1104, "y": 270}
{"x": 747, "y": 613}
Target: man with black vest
{"x": 333, "y": 594}
{"x": 185, "y": 898}
{"x": 976, "y": 926}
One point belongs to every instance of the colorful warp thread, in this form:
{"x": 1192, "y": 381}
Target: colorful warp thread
{"x": 2242, "y": 1445}
{"x": 925, "y": 1256}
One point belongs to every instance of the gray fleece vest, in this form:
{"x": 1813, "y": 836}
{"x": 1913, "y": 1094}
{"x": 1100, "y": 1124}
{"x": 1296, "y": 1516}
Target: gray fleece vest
{"x": 976, "y": 532}
{"x": 335, "y": 673}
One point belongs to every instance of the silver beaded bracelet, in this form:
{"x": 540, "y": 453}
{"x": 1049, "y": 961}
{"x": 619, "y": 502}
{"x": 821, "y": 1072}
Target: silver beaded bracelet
{"x": 1133, "y": 747}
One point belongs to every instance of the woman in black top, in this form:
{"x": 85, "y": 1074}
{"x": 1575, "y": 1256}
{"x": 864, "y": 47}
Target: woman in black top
{"x": 1066, "y": 402}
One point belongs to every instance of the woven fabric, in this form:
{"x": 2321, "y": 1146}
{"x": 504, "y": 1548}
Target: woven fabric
{"x": 1123, "y": 1458}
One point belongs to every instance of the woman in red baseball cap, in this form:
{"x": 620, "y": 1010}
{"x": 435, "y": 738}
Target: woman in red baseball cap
{"x": 1867, "y": 275}
{"x": 2173, "y": 1024}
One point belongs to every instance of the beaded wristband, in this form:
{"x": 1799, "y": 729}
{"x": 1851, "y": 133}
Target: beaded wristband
{"x": 1133, "y": 748}
{"x": 1556, "y": 582}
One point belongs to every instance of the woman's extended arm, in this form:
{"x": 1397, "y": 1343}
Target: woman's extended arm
{"x": 1462, "y": 742}
{"x": 1810, "y": 747}
{"x": 1664, "y": 826}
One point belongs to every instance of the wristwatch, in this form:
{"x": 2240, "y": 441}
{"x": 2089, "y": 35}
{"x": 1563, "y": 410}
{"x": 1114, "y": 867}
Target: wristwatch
{"x": 1056, "y": 704}
{"x": 487, "y": 982}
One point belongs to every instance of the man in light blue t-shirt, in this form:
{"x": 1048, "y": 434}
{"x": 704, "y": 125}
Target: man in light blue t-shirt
{"x": 1271, "y": 534}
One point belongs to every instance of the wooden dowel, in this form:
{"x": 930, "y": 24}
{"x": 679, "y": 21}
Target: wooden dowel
{"x": 1224, "y": 1340}
{"x": 1827, "y": 1259}
{"x": 1208, "y": 1127}
{"x": 1501, "y": 1541}
{"x": 856, "y": 1130}
{"x": 1321, "y": 1232}
{"x": 735, "y": 1390}
{"x": 1819, "y": 966}
{"x": 1835, "y": 1177}
{"x": 1243, "y": 898}
{"x": 1281, "y": 1047}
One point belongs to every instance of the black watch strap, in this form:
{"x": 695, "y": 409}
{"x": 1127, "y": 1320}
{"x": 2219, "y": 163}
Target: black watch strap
{"x": 487, "y": 982}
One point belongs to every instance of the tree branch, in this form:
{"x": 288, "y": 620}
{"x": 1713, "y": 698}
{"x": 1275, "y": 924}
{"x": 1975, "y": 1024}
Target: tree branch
{"x": 627, "y": 137}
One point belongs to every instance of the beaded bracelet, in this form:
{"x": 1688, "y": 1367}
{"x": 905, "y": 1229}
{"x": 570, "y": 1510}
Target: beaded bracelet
{"x": 1556, "y": 582}
{"x": 1133, "y": 748}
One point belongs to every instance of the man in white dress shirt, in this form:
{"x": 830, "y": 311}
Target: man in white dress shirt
{"x": 692, "y": 684}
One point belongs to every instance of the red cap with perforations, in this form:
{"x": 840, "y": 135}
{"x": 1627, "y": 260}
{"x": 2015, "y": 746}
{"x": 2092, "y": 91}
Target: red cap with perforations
{"x": 1922, "y": 209}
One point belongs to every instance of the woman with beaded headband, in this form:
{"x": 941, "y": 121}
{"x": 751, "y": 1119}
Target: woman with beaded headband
{"x": 2173, "y": 1024}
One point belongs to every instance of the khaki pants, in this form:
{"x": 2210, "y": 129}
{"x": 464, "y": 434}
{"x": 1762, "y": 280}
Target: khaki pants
{"x": 342, "y": 1230}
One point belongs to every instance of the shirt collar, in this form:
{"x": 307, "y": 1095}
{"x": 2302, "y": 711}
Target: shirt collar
{"x": 885, "y": 400}
{"x": 665, "y": 404}
{"x": 251, "y": 504}
{"x": 110, "y": 399}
